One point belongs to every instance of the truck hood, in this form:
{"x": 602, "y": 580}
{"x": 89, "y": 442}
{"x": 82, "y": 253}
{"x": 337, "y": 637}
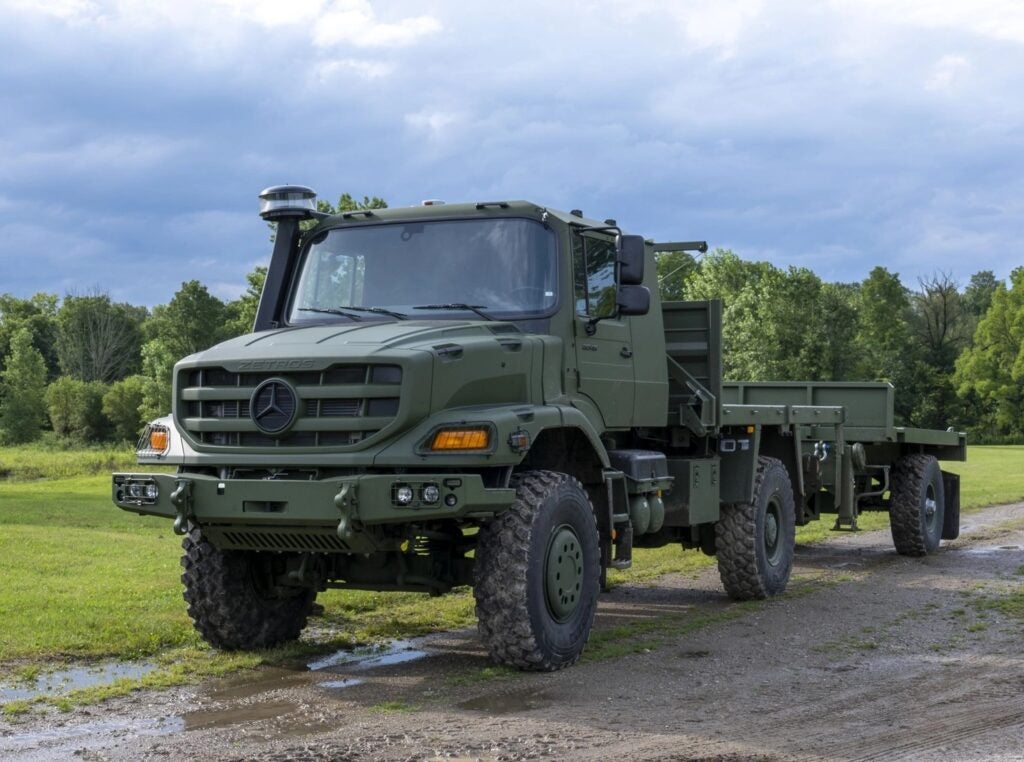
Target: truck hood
{"x": 444, "y": 364}
{"x": 340, "y": 340}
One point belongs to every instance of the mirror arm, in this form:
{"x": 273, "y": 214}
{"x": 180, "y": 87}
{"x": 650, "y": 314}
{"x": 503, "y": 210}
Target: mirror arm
{"x": 591, "y": 327}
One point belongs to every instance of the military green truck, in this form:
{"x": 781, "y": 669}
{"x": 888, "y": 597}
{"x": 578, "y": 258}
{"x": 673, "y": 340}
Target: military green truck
{"x": 493, "y": 394}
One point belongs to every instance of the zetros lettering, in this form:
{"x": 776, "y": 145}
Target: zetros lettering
{"x": 275, "y": 365}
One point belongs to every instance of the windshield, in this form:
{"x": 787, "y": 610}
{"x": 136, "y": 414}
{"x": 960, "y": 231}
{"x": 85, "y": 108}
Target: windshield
{"x": 504, "y": 266}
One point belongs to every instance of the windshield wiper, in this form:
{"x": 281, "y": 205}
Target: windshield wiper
{"x": 379, "y": 311}
{"x": 458, "y": 306}
{"x": 329, "y": 311}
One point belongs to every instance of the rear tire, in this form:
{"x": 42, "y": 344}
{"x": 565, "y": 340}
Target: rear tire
{"x": 537, "y": 574}
{"x": 231, "y": 601}
{"x": 754, "y": 541}
{"x": 917, "y": 505}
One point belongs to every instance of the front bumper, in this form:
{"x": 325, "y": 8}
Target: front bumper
{"x": 345, "y": 504}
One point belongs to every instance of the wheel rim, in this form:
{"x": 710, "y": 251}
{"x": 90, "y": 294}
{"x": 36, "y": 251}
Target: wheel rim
{"x": 930, "y": 507}
{"x": 773, "y": 533}
{"x": 563, "y": 572}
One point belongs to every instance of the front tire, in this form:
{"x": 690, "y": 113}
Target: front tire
{"x": 537, "y": 574}
{"x": 232, "y": 601}
{"x": 754, "y": 541}
{"x": 917, "y": 505}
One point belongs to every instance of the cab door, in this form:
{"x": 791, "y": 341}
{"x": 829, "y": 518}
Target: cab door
{"x": 604, "y": 346}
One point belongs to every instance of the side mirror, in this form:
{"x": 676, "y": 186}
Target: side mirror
{"x": 629, "y": 250}
{"x": 633, "y": 300}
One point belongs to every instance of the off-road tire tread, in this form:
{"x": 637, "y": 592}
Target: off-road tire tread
{"x": 223, "y": 606}
{"x": 735, "y": 538}
{"x": 907, "y": 483}
{"x": 501, "y": 574}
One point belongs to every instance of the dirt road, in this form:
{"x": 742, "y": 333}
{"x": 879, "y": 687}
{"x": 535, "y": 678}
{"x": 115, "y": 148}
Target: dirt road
{"x": 870, "y": 656}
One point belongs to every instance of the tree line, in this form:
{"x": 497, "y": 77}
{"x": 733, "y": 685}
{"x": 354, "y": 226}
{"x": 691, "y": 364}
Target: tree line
{"x": 84, "y": 368}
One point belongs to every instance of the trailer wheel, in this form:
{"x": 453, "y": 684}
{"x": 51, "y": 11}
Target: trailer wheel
{"x": 755, "y": 540}
{"x": 231, "y": 600}
{"x": 916, "y": 505}
{"x": 537, "y": 574}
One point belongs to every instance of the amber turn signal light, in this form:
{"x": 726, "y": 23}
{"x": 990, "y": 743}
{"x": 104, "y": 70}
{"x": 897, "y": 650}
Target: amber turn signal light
{"x": 158, "y": 440}
{"x": 461, "y": 439}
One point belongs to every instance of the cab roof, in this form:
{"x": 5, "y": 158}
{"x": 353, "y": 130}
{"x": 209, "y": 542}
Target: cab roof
{"x": 478, "y": 209}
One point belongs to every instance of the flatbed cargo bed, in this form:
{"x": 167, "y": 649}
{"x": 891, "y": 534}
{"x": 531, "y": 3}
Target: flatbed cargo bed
{"x": 867, "y": 412}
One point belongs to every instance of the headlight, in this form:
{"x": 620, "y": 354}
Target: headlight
{"x": 403, "y": 494}
{"x": 137, "y": 490}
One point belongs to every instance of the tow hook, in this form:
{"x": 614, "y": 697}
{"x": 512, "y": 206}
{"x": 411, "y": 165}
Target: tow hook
{"x": 181, "y": 499}
{"x": 346, "y": 502}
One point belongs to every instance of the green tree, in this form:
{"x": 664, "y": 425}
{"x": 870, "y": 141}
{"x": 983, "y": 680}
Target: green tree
{"x": 39, "y": 315}
{"x": 674, "y": 267}
{"x": 771, "y": 317}
{"x": 157, "y": 368}
{"x": 837, "y": 320}
{"x": 98, "y": 340}
{"x": 122, "y": 403}
{"x": 940, "y": 328}
{"x": 242, "y": 311}
{"x": 721, "y": 274}
{"x": 940, "y": 320}
{"x": 75, "y": 408}
{"x": 990, "y": 373}
{"x": 883, "y": 335}
{"x": 193, "y": 320}
{"x": 348, "y": 203}
{"x": 979, "y": 291}
{"x": 22, "y": 381}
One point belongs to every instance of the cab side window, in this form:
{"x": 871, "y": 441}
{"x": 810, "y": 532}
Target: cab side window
{"x": 594, "y": 275}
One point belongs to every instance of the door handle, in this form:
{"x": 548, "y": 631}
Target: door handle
{"x": 626, "y": 352}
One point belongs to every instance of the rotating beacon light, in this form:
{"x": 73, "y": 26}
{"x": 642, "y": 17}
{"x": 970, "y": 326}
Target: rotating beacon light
{"x": 287, "y": 201}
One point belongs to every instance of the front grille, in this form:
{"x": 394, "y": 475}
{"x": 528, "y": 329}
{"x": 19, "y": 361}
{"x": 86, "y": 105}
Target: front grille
{"x": 340, "y": 406}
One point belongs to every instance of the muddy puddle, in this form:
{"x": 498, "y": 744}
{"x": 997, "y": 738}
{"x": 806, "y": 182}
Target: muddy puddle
{"x": 992, "y": 550}
{"x": 512, "y": 702}
{"x": 370, "y": 657}
{"x": 71, "y": 679}
{"x": 65, "y": 740}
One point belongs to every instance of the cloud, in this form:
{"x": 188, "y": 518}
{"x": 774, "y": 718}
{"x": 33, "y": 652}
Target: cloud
{"x": 340, "y": 68}
{"x": 355, "y": 22}
{"x": 948, "y": 72}
{"x": 841, "y": 133}
{"x": 432, "y": 121}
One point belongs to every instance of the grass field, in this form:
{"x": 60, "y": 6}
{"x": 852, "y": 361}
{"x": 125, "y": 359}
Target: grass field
{"x": 84, "y": 581}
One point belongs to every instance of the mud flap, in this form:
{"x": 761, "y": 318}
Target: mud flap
{"x": 951, "y": 511}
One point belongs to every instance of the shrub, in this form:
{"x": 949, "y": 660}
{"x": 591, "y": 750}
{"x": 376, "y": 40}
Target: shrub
{"x": 121, "y": 405}
{"x": 76, "y": 409}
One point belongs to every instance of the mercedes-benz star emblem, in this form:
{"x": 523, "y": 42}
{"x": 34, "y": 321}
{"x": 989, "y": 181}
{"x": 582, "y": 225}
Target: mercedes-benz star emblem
{"x": 273, "y": 406}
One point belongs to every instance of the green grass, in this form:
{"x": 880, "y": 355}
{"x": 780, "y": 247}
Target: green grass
{"x": 990, "y": 476}
{"x": 84, "y": 581}
{"x": 61, "y": 461}
{"x": 393, "y": 707}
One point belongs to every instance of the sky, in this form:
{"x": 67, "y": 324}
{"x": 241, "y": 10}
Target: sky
{"x": 135, "y": 135}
